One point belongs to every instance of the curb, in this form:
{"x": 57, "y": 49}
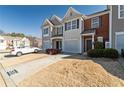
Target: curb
{"x": 8, "y": 81}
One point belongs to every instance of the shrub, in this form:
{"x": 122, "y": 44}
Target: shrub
{"x": 108, "y": 53}
{"x": 122, "y": 52}
{"x": 99, "y": 45}
{"x": 96, "y": 53}
{"x": 52, "y": 51}
{"x": 111, "y": 53}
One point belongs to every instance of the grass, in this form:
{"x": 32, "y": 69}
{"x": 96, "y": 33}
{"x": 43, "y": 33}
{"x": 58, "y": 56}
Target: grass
{"x": 73, "y": 73}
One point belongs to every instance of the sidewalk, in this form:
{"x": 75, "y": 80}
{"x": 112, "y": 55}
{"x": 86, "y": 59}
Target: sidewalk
{"x": 121, "y": 60}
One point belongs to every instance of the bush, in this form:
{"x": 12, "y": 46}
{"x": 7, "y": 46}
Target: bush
{"x": 108, "y": 53}
{"x": 99, "y": 45}
{"x": 122, "y": 52}
{"x": 111, "y": 53}
{"x": 52, "y": 51}
{"x": 96, "y": 53}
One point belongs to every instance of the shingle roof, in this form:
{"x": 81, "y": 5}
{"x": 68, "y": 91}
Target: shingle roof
{"x": 98, "y": 12}
{"x": 55, "y": 20}
{"x": 87, "y": 31}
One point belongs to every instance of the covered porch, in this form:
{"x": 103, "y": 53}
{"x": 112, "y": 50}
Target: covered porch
{"x": 57, "y": 43}
{"x": 88, "y": 38}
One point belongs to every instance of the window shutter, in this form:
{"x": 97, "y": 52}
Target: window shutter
{"x": 65, "y": 26}
{"x": 100, "y": 22}
{"x": 77, "y": 23}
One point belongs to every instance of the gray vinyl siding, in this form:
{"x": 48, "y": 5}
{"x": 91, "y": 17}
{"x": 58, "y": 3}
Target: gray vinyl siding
{"x": 117, "y": 24}
{"x": 46, "y": 38}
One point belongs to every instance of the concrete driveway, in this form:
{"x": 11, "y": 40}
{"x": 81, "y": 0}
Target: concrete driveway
{"x": 16, "y": 73}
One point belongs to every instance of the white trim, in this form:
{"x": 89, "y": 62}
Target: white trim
{"x": 97, "y": 22}
{"x": 92, "y": 41}
{"x": 45, "y": 35}
{"x": 119, "y": 13}
{"x": 116, "y": 34}
{"x": 54, "y": 16}
{"x": 70, "y": 39}
{"x": 47, "y": 20}
{"x": 75, "y": 19}
{"x": 72, "y": 10}
{"x": 110, "y": 27}
{"x": 119, "y": 33}
{"x": 88, "y": 34}
{"x": 60, "y": 37}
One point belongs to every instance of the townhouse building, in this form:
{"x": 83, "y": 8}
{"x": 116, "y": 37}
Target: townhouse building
{"x": 117, "y": 27}
{"x": 77, "y": 33}
{"x": 52, "y": 33}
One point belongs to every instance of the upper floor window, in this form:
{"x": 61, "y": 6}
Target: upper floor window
{"x": 95, "y": 22}
{"x": 68, "y": 26}
{"x": 72, "y": 25}
{"x": 121, "y": 11}
{"x": 45, "y": 31}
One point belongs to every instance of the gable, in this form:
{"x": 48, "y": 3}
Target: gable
{"x": 47, "y": 23}
{"x": 55, "y": 20}
{"x": 72, "y": 13}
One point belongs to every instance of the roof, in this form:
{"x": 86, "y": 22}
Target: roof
{"x": 11, "y": 38}
{"x": 87, "y": 31}
{"x": 55, "y": 20}
{"x": 98, "y": 12}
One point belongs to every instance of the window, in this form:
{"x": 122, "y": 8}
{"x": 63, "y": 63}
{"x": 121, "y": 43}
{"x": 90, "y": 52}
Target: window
{"x": 45, "y": 31}
{"x": 74, "y": 24}
{"x": 95, "y": 22}
{"x": 59, "y": 30}
{"x": 121, "y": 11}
{"x": 68, "y": 26}
{"x": 1, "y": 41}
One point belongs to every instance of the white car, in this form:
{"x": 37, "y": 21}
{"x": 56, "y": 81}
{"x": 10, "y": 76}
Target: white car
{"x": 24, "y": 50}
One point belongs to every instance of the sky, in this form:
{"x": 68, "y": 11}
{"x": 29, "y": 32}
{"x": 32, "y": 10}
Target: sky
{"x": 28, "y": 19}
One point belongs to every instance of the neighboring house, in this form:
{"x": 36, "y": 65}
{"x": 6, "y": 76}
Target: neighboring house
{"x": 117, "y": 27}
{"x": 9, "y": 42}
{"x": 96, "y": 28}
{"x": 35, "y": 42}
{"x": 52, "y": 33}
{"x": 2, "y": 43}
{"x": 72, "y": 28}
{"x": 76, "y": 32}
{"x": 25, "y": 42}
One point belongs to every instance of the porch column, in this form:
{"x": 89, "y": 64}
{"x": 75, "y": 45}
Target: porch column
{"x": 93, "y": 41}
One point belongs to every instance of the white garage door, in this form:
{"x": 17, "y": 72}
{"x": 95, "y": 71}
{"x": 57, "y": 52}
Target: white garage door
{"x": 46, "y": 45}
{"x": 120, "y": 42}
{"x": 72, "y": 46}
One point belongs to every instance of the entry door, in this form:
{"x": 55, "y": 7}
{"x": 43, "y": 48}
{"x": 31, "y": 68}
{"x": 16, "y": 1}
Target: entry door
{"x": 88, "y": 45}
{"x": 57, "y": 44}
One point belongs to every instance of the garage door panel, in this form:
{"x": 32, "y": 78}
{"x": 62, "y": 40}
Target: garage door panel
{"x": 71, "y": 46}
{"x": 120, "y": 42}
{"x": 46, "y": 45}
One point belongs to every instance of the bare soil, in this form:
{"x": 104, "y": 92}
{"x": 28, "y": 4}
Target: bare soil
{"x": 2, "y": 84}
{"x": 78, "y": 73}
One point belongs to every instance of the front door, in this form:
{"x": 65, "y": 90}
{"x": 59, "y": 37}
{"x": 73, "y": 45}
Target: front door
{"x": 57, "y": 44}
{"x": 88, "y": 45}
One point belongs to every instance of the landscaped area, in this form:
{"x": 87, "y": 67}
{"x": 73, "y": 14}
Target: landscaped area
{"x": 78, "y": 71}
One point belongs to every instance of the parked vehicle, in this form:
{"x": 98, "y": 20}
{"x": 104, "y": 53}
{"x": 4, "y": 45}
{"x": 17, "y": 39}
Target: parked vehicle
{"x": 24, "y": 50}
{"x": 122, "y": 52}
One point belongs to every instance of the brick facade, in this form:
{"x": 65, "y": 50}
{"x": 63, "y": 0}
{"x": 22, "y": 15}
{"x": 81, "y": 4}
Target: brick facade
{"x": 103, "y": 30}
